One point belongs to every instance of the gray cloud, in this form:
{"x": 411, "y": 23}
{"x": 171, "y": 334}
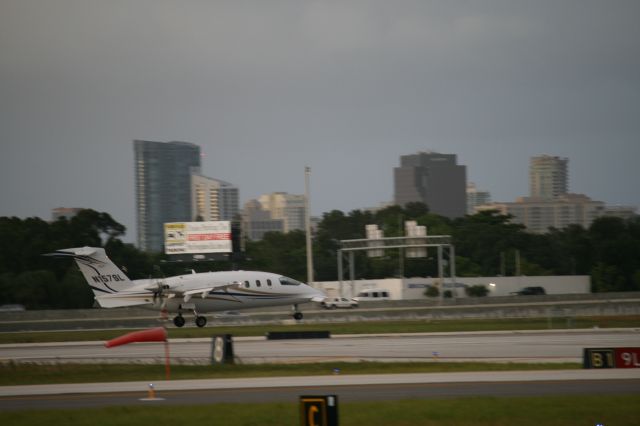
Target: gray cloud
{"x": 343, "y": 86}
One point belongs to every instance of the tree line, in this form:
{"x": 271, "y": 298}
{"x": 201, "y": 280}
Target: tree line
{"x": 486, "y": 244}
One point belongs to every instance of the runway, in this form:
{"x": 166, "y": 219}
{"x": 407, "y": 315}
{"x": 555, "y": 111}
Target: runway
{"x": 521, "y": 346}
{"x": 530, "y": 346}
{"x": 347, "y": 387}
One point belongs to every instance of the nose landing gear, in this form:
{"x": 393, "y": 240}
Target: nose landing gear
{"x": 297, "y": 315}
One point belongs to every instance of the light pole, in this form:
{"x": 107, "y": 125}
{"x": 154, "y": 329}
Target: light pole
{"x": 307, "y": 174}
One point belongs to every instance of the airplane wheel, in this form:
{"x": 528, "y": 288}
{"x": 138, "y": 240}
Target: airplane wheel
{"x": 297, "y": 316}
{"x": 178, "y": 321}
{"x": 201, "y": 321}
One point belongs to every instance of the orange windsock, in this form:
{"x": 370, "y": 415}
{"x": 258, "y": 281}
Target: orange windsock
{"x": 157, "y": 334}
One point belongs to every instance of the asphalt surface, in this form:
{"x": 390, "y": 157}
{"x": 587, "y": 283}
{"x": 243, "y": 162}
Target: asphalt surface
{"x": 522, "y": 346}
{"x": 538, "y": 346}
{"x": 347, "y": 387}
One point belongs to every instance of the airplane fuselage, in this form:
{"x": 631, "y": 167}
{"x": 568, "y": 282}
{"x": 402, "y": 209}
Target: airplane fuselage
{"x": 198, "y": 293}
{"x": 252, "y": 290}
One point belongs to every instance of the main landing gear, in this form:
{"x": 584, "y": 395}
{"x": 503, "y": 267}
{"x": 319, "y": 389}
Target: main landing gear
{"x": 179, "y": 321}
{"x": 201, "y": 321}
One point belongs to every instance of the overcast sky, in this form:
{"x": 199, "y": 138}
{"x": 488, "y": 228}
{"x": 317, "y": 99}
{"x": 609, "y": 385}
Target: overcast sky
{"x": 266, "y": 87}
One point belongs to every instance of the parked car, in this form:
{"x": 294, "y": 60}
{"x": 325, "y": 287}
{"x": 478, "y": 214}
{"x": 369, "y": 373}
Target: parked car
{"x": 530, "y": 291}
{"x": 339, "y": 302}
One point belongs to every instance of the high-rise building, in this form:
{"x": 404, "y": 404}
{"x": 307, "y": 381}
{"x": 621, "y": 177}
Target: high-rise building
{"x": 213, "y": 199}
{"x": 548, "y": 177}
{"x": 434, "y": 179}
{"x": 539, "y": 214}
{"x": 476, "y": 197}
{"x": 288, "y": 207}
{"x": 275, "y": 212}
{"x": 163, "y": 187}
{"x": 256, "y": 221}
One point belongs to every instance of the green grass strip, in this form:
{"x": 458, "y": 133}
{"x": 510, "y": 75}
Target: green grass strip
{"x": 27, "y": 374}
{"x": 619, "y": 410}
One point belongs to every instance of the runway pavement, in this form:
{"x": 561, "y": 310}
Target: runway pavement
{"x": 522, "y": 346}
{"x": 530, "y": 346}
{"x": 347, "y": 387}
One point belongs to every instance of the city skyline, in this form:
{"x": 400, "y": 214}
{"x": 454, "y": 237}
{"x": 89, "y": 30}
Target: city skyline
{"x": 345, "y": 88}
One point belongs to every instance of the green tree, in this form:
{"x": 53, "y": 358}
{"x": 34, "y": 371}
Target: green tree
{"x": 484, "y": 236}
{"x": 280, "y": 253}
{"x": 615, "y": 253}
{"x": 37, "y": 281}
{"x": 432, "y": 291}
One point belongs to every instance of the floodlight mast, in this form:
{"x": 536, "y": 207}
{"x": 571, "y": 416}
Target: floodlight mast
{"x": 307, "y": 174}
{"x": 441, "y": 242}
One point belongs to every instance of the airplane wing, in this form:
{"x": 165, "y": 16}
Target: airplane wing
{"x": 186, "y": 295}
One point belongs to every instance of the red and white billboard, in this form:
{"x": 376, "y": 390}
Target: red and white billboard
{"x": 197, "y": 237}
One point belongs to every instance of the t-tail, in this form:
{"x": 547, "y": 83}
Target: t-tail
{"x": 111, "y": 287}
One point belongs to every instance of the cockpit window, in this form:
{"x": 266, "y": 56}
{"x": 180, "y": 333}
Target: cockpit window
{"x": 289, "y": 281}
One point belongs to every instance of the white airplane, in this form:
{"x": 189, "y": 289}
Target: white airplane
{"x": 198, "y": 293}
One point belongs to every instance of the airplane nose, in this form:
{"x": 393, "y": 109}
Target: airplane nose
{"x": 317, "y": 295}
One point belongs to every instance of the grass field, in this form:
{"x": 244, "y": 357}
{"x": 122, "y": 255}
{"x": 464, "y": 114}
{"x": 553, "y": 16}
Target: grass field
{"x": 360, "y": 327}
{"x": 618, "y": 410}
{"x": 26, "y": 374}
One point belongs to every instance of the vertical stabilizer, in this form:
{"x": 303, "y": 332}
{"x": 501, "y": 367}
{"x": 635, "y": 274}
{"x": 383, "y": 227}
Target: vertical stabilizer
{"x": 102, "y": 275}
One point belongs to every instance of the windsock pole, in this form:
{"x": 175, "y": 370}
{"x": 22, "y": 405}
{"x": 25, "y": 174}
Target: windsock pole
{"x": 158, "y": 334}
{"x": 167, "y": 364}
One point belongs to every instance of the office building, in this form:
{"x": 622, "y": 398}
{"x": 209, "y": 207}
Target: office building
{"x": 288, "y": 207}
{"x": 539, "y": 214}
{"x": 256, "y": 221}
{"x": 622, "y": 212}
{"x": 213, "y": 199}
{"x": 476, "y": 197}
{"x": 275, "y": 212}
{"x": 163, "y": 187}
{"x": 434, "y": 179}
{"x": 548, "y": 176}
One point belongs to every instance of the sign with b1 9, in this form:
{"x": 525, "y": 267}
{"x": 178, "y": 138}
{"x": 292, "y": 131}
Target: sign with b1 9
{"x": 611, "y": 358}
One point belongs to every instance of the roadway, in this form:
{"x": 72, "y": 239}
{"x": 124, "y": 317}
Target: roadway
{"x": 557, "y": 309}
{"x": 513, "y": 346}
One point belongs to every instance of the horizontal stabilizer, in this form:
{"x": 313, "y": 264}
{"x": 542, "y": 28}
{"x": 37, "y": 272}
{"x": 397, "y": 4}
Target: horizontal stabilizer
{"x": 118, "y": 300}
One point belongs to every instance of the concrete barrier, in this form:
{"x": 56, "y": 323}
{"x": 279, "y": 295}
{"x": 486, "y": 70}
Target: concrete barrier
{"x": 282, "y": 335}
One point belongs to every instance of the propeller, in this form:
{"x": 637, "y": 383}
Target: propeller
{"x": 159, "y": 293}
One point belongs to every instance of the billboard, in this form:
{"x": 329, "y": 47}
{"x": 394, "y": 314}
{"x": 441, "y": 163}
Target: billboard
{"x": 197, "y": 237}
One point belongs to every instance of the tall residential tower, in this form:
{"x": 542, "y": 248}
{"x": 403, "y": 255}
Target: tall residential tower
{"x": 548, "y": 177}
{"x": 163, "y": 187}
{"x": 213, "y": 199}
